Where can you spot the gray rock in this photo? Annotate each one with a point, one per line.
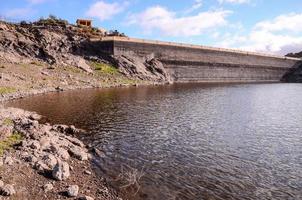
(7, 190)
(8, 160)
(31, 159)
(61, 171)
(75, 141)
(41, 167)
(34, 116)
(62, 153)
(73, 191)
(86, 198)
(47, 187)
(78, 153)
(50, 160)
(34, 144)
(87, 172)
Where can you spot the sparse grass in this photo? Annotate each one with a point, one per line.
(7, 122)
(37, 63)
(104, 68)
(7, 90)
(73, 69)
(9, 142)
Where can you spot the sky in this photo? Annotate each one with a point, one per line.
(270, 26)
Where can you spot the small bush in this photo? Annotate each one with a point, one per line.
(7, 122)
(104, 68)
(130, 178)
(7, 90)
(9, 142)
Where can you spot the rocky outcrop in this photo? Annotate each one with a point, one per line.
(50, 150)
(295, 55)
(67, 45)
(142, 68)
(294, 75)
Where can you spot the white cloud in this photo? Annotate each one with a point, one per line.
(279, 36)
(104, 11)
(18, 13)
(234, 1)
(197, 4)
(37, 1)
(168, 23)
(290, 22)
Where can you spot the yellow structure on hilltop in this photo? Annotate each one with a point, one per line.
(84, 23)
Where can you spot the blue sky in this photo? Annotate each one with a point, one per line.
(273, 26)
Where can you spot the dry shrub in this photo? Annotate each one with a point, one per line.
(130, 178)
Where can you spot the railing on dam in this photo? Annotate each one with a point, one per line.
(135, 40)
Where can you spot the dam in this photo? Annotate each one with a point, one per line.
(194, 63)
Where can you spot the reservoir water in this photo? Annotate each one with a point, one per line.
(189, 141)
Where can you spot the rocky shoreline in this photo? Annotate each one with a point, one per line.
(47, 161)
(43, 161)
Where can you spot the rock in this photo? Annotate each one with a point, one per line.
(50, 160)
(75, 141)
(8, 160)
(78, 153)
(78, 62)
(34, 116)
(45, 73)
(87, 172)
(142, 68)
(44, 142)
(31, 159)
(7, 190)
(73, 191)
(86, 198)
(59, 89)
(47, 187)
(61, 171)
(41, 167)
(62, 153)
(1, 183)
(34, 144)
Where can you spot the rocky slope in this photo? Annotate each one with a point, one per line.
(294, 75)
(295, 55)
(58, 44)
(48, 161)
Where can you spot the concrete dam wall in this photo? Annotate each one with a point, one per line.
(192, 63)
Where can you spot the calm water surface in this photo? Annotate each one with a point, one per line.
(191, 141)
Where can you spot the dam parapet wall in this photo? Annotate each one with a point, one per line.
(194, 63)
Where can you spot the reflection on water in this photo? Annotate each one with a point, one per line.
(192, 141)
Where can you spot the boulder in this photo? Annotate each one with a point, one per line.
(47, 187)
(63, 154)
(50, 160)
(7, 190)
(61, 171)
(73, 191)
(78, 153)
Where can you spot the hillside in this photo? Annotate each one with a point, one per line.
(52, 54)
(295, 55)
(295, 74)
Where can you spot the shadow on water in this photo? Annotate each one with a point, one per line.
(189, 141)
